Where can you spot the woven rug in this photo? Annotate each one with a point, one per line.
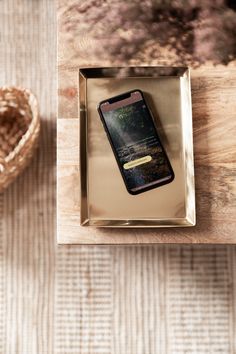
(90, 300)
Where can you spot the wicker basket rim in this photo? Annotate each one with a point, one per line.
(33, 103)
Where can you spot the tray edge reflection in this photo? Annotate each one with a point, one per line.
(100, 72)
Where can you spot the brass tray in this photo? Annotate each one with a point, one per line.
(105, 201)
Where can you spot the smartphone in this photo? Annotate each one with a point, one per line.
(131, 131)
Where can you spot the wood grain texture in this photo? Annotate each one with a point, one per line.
(214, 130)
(215, 171)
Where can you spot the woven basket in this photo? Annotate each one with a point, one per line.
(19, 131)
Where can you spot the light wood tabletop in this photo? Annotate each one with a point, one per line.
(214, 130)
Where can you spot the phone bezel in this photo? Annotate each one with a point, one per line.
(145, 188)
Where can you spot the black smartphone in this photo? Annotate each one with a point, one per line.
(130, 128)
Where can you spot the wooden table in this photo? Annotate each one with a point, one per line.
(214, 130)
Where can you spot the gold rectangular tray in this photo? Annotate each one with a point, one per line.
(104, 200)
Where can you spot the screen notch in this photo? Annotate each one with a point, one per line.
(122, 100)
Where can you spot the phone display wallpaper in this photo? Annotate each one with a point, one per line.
(137, 145)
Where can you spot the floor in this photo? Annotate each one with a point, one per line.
(89, 300)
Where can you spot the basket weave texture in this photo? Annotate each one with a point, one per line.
(19, 131)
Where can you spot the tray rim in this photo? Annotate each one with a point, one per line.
(85, 73)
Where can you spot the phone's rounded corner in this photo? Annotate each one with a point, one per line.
(138, 90)
(131, 192)
(172, 177)
(99, 106)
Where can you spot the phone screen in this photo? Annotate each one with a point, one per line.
(135, 142)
